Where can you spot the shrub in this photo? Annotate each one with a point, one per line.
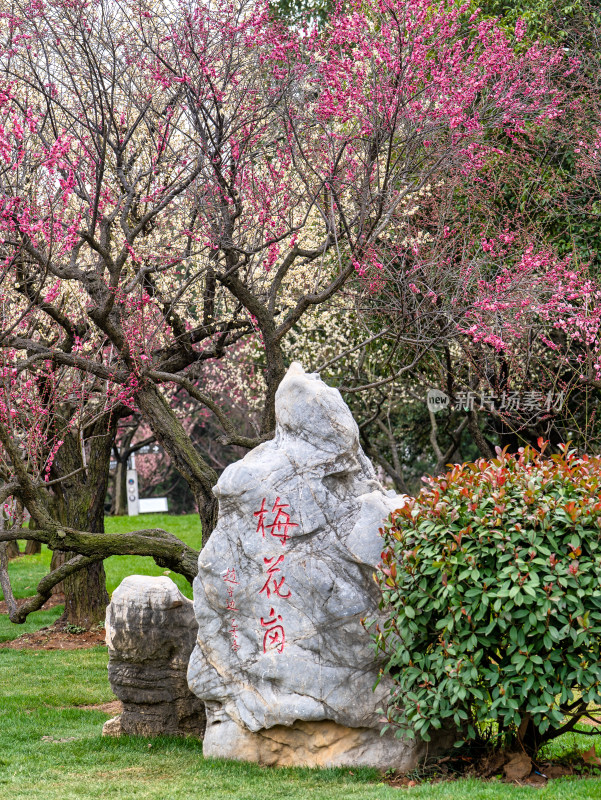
(491, 599)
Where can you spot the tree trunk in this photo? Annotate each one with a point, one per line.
(85, 592)
(481, 442)
(120, 488)
(86, 597)
(12, 550)
(273, 374)
(80, 505)
(32, 548)
(121, 453)
(58, 559)
(189, 463)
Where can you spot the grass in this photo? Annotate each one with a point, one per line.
(51, 749)
(187, 528)
(26, 572)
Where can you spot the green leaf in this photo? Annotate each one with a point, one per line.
(454, 646)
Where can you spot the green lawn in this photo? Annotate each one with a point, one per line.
(51, 749)
(27, 571)
(187, 528)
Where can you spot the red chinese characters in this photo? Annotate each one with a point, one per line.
(230, 580)
(281, 523)
(274, 636)
(274, 583)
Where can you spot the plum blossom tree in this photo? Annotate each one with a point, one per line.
(178, 180)
(501, 275)
(508, 320)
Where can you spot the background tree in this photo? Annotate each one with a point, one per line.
(537, 196)
(177, 181)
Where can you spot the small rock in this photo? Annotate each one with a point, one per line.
(150, 633)
(557, 770)
(492, 764)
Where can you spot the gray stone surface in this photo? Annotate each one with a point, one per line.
(298, 532)
(150, 633)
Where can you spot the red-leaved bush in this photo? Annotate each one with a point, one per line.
(490, 582)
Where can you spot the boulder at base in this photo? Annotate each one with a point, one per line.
(150, 633)
(282, 662)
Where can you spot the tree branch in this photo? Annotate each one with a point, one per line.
(232, 436)
(165, 548)
(45, 586)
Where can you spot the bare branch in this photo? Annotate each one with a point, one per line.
(165, 548)
(45, 586)
(232, 436)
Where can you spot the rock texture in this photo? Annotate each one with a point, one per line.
(282, 662)
(316, 744)
(150, 633)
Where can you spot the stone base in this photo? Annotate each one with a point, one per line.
(311, 744)
(136, 725)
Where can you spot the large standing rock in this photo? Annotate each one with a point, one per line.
(282, 662)
(150, 633)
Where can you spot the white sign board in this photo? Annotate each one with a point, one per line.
(149, 505)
